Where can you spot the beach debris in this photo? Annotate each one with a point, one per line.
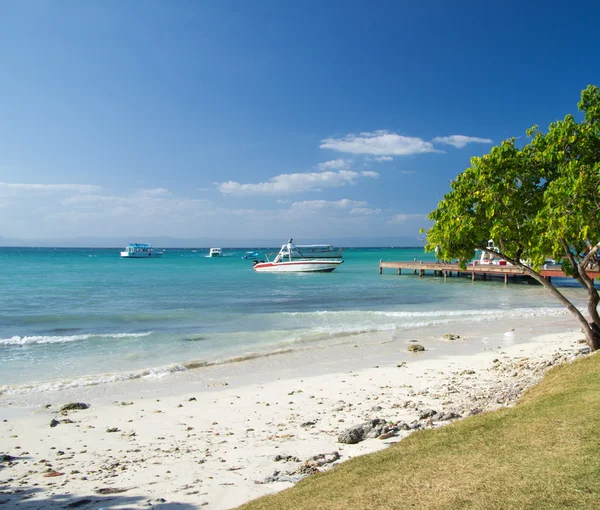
(285, 458)
(451, 336)
(401, 364)
(308, 424)
(387, 435)
(112, 490)
(54, 422)
(369, 429)
(51, 473)
(113, 429)
(416, 348)
(74, 406)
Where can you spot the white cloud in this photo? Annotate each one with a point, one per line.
(344, 203)
(334, 164)
(378, 143)
(64, 188)
(332, 207)
(383, 158)
(401, 218)
(459, 141)
(364, 211)
(295, 183)
(154, 192)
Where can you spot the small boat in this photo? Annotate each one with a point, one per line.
(488, 258)
(214, 252)
(289, 259)
(140, 251)
(250, 255)
(315, 251)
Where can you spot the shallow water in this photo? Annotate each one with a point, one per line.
(71, 317)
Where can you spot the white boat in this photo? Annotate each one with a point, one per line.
(488, 258)
(140, 251)
(315, 251)
(214, 252)
(290, 260)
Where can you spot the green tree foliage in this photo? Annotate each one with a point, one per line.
(538, 201)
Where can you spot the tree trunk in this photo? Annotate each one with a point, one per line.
(590, 330)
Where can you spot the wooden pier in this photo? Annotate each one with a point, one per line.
(483, 270)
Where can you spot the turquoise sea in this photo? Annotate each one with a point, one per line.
(74, 317)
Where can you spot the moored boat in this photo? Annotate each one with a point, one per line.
(214, 252)
(140, 251)
(289, 259)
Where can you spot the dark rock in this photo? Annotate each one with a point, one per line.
(416, 348)
(113, 490)
(54, 422)
(6, 458)
(285, 458)
(74, 406)
(448, 416)
(450, 336)
(426, 413)
(306, 469)
(113, 429)
(308, 424)
(369, 429)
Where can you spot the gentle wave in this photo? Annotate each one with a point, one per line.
(155, 372)
(43, 339)
(93, 380)
(499, 312)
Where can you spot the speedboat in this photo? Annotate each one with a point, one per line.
(315, 251)
(140, 251)
(250, 255)
(214, 252)
(289, 259)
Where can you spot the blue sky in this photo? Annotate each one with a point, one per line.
(270, 119)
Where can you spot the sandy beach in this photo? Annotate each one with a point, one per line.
(219, 436)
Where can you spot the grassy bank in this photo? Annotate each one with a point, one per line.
(543, 453)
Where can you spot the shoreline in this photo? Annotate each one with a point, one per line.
(216, 437)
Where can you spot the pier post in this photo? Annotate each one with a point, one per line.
(380, 266)
(399, 271)
(505, 278)
(472, 276)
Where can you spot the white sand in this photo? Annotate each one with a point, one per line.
(217, 450)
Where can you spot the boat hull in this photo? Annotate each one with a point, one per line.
(127, 255)
(304, 266)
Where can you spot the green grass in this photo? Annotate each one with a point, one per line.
(543, 453)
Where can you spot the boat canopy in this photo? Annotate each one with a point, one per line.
(138, 245)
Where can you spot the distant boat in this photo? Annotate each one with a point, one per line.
(250, 255)
(140, 251)
(214, 252)
(290, 259)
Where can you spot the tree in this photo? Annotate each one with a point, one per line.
(538, 201)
